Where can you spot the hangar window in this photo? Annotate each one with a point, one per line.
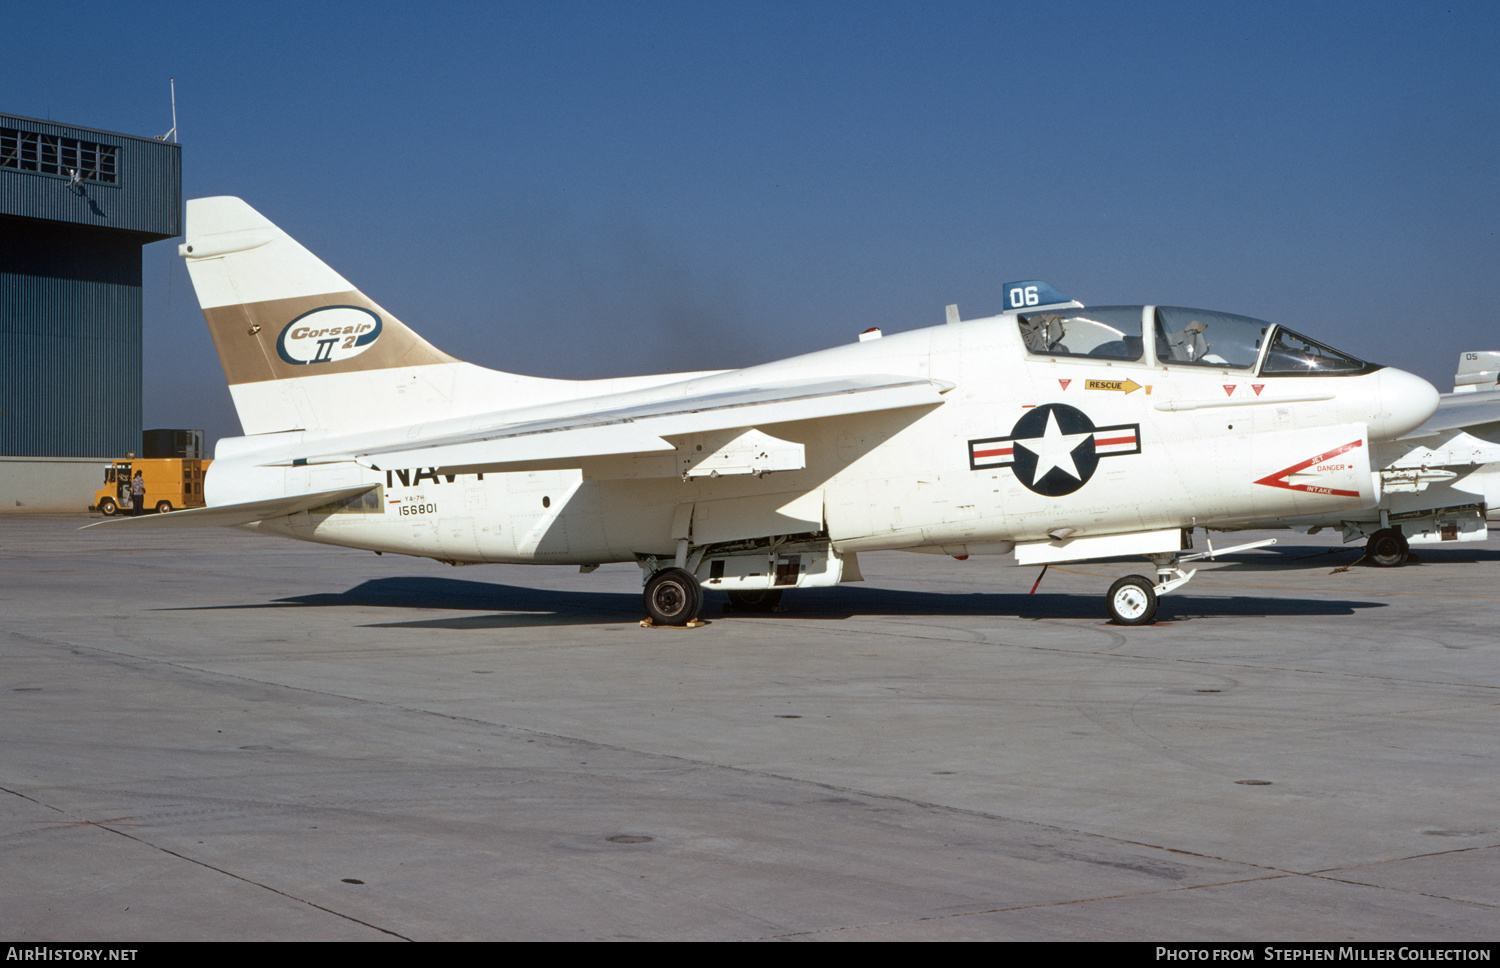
(51, 154)
(1104, 332)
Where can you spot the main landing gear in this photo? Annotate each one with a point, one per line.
(753, 572)
(1133, 599)
(756, 600)
(673, 597)
(1387, 548)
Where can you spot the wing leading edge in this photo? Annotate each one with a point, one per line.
(600, 428)
(1476, 412)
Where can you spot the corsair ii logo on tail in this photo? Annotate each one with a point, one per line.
(328, 334)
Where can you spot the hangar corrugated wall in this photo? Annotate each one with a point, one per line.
(76, 206)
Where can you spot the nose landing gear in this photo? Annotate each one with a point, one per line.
(1133, 599)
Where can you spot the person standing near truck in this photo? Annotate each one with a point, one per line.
(137, 494)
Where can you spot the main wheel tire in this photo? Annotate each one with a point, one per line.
(758, 600)
(108, 507)
(163, 507)
(1132, 601)
(1387, 548)
(673, 597)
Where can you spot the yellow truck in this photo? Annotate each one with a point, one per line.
(171, 483)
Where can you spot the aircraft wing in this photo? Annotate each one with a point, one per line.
(231, 514)
(626, 428)
(1477, 413)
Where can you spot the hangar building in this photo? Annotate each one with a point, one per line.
(76, 206)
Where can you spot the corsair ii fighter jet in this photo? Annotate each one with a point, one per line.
(1052, 431)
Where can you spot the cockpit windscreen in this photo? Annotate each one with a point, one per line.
(1292, 354)
(1199, 337)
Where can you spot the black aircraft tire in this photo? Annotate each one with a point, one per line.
(1132, 601)
(1387, 548)
(673, 597)
(759, 600)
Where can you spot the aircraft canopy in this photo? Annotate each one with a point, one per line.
(1182, 337)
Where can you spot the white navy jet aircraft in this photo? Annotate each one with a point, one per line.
(1053, 431)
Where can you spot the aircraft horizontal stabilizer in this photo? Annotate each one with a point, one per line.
(1477, 412)
(228, 515)
(591, 430)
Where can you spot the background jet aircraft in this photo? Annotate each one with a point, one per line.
(1054, 431)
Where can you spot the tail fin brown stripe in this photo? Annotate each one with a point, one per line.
(311, 336)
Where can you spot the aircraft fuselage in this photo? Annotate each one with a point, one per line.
(1023, 445)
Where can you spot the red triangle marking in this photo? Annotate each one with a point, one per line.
(1257, 387)
(1279, 479)
(1064, 383)
(1228, 389)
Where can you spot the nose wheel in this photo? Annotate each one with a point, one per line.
(1132, 601)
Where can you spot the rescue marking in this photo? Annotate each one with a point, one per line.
(1064, 383)
(1228, 389)
(1054, 449)
(1125, 386)
(1281, 477)
(1257, 387)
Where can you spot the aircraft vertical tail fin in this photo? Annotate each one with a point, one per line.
(279, 315)
(1477, 370)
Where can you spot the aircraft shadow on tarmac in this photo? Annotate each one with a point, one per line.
(512, 606)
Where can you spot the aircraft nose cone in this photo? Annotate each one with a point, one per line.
(1404, 401)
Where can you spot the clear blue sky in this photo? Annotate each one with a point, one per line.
(590, 189)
